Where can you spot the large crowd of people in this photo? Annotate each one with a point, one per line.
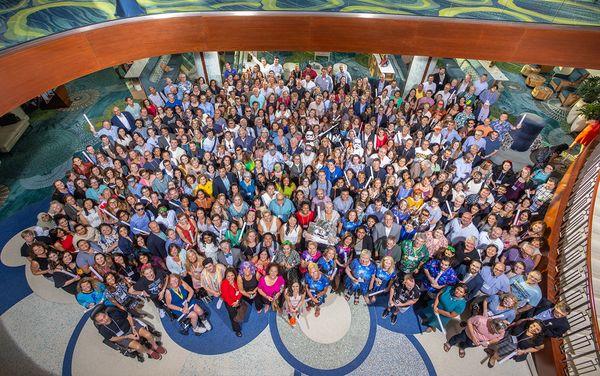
(221, 191)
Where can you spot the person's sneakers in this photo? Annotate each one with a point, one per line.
(162, 313)
(199, 329)
(386, 313)
(394, 318)
(219, 303)
(206, 324)
(238, 333)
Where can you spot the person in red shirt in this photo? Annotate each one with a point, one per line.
(309, 71)
(305, 215)
(230, 293)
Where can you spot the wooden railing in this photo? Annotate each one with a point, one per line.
(34, 67)
(569, 275)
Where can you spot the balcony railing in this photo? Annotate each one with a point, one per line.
(569, 276)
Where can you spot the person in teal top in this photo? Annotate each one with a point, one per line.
(448, 304)
(90, 293)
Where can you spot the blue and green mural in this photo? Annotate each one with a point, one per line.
(25, 20)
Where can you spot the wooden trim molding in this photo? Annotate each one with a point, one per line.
(550, 359)
(32, 68)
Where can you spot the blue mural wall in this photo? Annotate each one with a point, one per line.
(25, 20)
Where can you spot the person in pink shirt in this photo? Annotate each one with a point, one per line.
(480, 331)
(270, 287)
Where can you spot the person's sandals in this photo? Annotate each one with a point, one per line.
(429, 329)
(394, 318)
(356, 301)
(161, 350)
(461, 353)
(154, 355)
(347, 297)
(491, 363)
(447, 347)
(317, 312)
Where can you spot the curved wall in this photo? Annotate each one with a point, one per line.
(32, 68)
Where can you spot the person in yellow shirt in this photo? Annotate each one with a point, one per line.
(204, 184)
(415, 201)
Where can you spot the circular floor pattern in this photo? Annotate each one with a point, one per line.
(333, 323)
(407, 323)
(221, 339)
(11, 252)
(341, 357)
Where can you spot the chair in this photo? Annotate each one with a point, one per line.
(561, 81)
(530, 69)
(541, 93)
(568, 97)
(534, 80)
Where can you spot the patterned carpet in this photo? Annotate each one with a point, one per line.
(25, 20)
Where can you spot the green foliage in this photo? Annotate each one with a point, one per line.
(591, 110)
(589, 89)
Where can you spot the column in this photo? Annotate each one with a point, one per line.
(420, 67)
(208, 65)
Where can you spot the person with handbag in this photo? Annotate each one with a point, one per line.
(236, 307)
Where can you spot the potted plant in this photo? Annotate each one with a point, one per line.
(589, 92)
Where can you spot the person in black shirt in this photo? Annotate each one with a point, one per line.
(119, 327)
(152, 284)
(30, 237)
(403, 294)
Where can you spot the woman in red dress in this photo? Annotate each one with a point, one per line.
(186, 230)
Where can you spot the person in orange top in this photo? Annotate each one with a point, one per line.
(232, 296)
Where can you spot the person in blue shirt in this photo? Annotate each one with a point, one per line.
(359, 277)
(140, 220)
(172, 101)
(332, 172)
(229, 71)
(281, 207)
(350, 222)
(206, 107)
(384, 275)
(90, 293)
(327, 263)
(317, 285)
(439, 274)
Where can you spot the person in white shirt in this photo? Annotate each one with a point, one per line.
(264, 66)
(429, 85)
(481, 84)
(175, 150)
(308, 83)
(491, 238)
(276, 67)
(458, 229)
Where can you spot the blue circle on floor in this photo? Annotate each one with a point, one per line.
(302, 368)
(221, 339)
(408, 322)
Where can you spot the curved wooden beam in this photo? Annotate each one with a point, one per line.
(32, 68)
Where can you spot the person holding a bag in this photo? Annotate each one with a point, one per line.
(236, 307)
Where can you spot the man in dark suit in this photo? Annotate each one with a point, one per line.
(230, 257)
(156, 240)
(222, 182)
(361, 106)
(470, 276)
(122, 120)
(440, 79)
(387, 228)
(388, 246)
